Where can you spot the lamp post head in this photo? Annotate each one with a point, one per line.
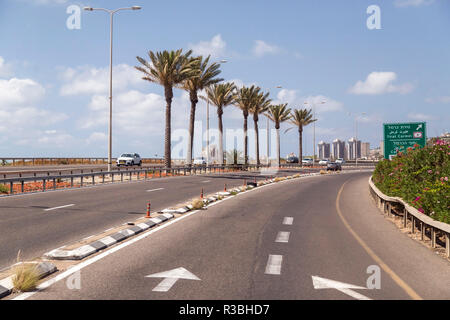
(88, 8)
(136, 8)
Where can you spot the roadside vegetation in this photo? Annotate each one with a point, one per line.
(420, 177)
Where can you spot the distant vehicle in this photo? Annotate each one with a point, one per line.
(292, 160)
(340, 161)
(307, 161)
(334, 166)
(129, 159)
(200, 161)
(324, 161)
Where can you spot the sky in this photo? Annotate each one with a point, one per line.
(371, 67)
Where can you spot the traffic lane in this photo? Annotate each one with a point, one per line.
(319, 245)
(424, 271)
(219, 245)
(26, 226)
(227, 247)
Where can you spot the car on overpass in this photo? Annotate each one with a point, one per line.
(324, 162)
(307, 161)
(340, 161)
(200, 161)
(292, 159)
(129, 159)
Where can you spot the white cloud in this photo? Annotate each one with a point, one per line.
(380, 83)
(262, 48)
(298, 102)
(19, 92)
(215, 47)
(23, 121)
(5, 69)
(85, 80)
(412, 3)
(420, 116)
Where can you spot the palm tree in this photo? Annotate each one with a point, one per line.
(261, 105)
(278, 114)
(167, 68)
(221, 95)
(245, 99)
(301, 118)
(205, 76)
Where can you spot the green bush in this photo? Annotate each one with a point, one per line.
(3, 189)
(420, 177)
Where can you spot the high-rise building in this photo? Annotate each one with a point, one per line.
(354, 149)
(323, 150)
(365, 149)
(338, 149)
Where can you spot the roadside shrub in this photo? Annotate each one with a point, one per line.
(197, 204)
(420, 177)
(3, 189)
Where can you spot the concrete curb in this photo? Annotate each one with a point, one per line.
(43, 269)
(93, 247)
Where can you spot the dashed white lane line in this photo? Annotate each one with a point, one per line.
(155, 189)
(274, 264)
(206, 181)
(288, 221)
(283, 237)
(60, 207)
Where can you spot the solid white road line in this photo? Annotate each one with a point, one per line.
(288, 220)
(155, 189)
(206, 181)
(283, 236)
(274, 264)
(50, 209)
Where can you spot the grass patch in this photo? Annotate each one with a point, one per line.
(233, 193)
(25, 276)
(197, 204)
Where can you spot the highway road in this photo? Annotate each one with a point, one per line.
(37, 223)
(310, 238)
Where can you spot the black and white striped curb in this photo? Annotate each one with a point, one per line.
(93, 247)
(43, 269)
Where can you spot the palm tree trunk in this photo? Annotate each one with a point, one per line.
(167, 150)
(194, 100)
(300, 145)
(219, 116)
(278, 147)
(257, 142)
(245, 141)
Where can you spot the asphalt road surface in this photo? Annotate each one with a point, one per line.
(37, 223)
(268, 243)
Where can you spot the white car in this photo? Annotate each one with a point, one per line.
(307, 161)
(324, 162)
(340, 160)
(129, 159)
(200, 161)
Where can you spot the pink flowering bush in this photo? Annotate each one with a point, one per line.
(420, 177)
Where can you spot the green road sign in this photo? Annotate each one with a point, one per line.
(400, 136)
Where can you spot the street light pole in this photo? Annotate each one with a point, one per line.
(314, 128)
(111, 16)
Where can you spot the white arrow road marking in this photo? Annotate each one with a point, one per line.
(322, 283)
(50, 209)
(155, 189)
(170, 277)
(288, 220)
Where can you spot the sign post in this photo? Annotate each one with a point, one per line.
(398, 137)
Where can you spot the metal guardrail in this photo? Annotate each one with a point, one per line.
(28, 161)
(90, 178)
(415, 217)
